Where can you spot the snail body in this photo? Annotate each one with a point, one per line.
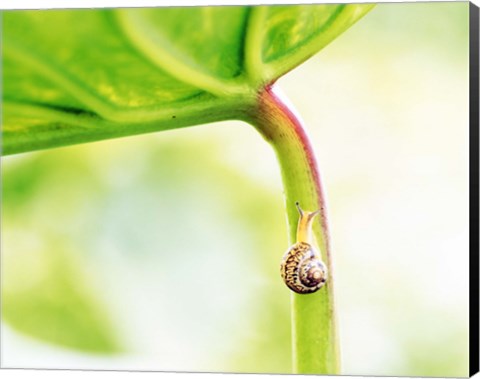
(302, 268)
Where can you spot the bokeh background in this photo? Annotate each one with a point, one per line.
(162, 251)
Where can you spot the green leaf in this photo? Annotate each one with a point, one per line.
(46, 295)
(282, 37)
(72, 76)
(202, 46)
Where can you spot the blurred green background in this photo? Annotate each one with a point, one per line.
(162, 251)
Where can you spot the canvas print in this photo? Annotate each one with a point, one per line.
(244, 189)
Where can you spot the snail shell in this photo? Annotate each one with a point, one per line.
(302, 269)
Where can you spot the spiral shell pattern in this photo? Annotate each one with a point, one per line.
(302, 270)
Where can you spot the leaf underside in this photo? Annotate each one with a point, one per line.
(73, 76)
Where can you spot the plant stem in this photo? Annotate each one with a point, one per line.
(314, 335)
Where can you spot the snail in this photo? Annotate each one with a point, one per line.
(302, 268)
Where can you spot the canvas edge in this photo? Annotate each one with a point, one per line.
(474, 190)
